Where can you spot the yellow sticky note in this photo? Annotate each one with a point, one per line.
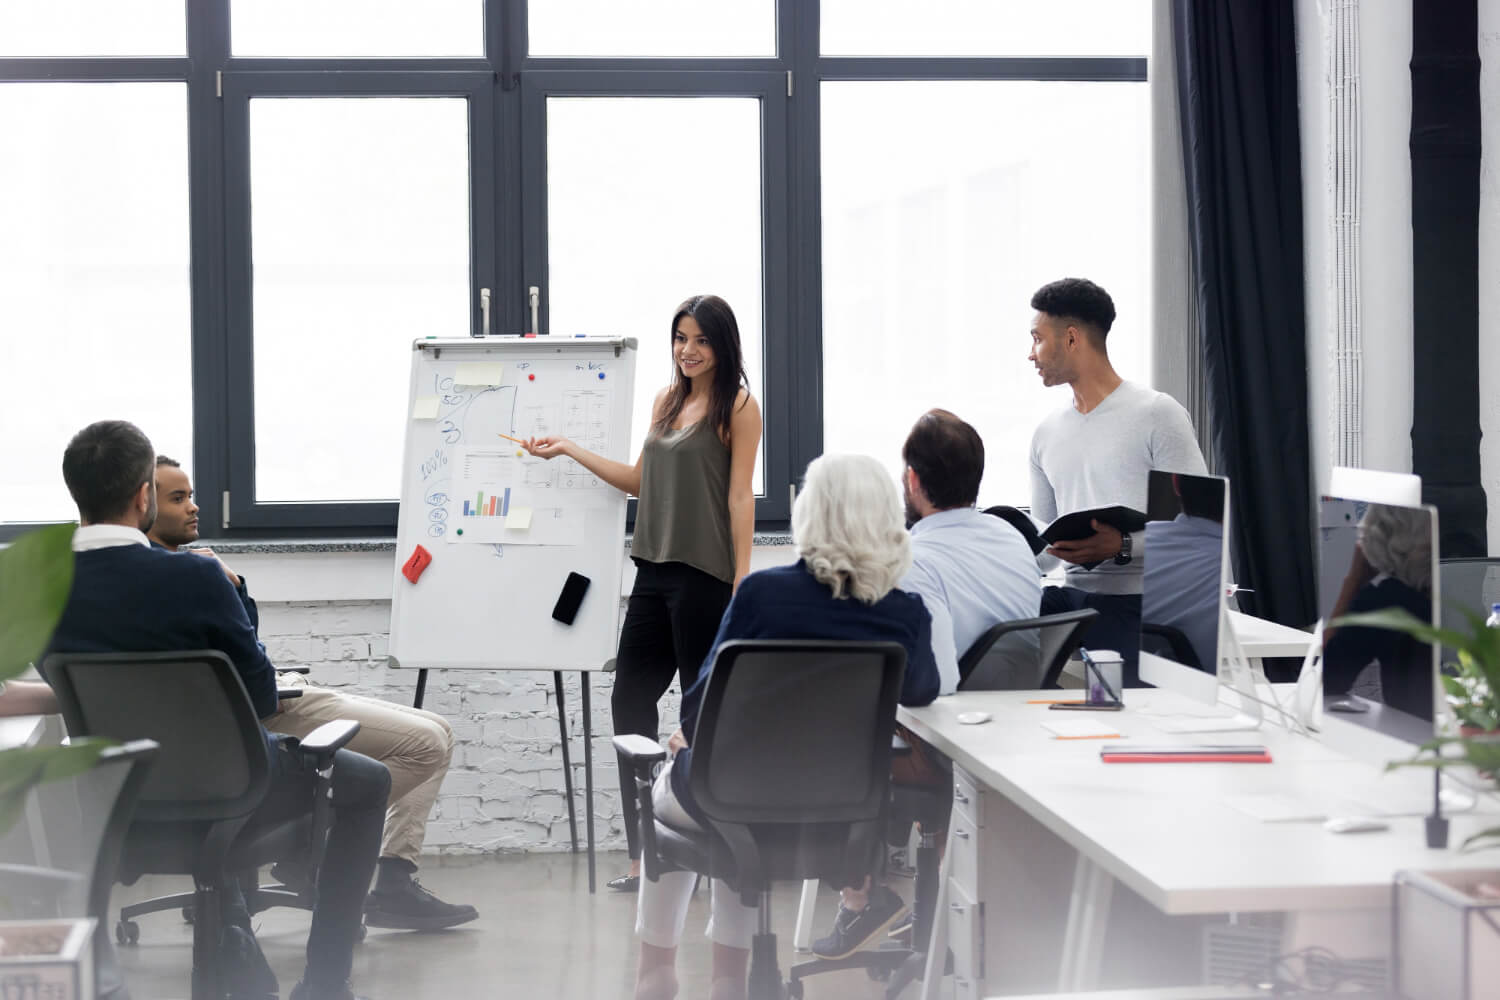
(424, 408)
(519, 519)
(479, 373)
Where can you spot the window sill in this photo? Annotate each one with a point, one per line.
(359, 569)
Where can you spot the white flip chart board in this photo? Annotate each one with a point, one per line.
(504, 530)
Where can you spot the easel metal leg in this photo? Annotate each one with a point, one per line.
(588, 771)
(806, 908)
(562, 729)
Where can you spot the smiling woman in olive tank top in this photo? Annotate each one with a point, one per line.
(692, 525)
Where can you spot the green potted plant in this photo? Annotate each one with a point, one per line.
(1471, 688)
(36, 573)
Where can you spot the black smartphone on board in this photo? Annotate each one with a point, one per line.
(571, 597)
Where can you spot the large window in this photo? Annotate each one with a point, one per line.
(226, 220)
(357, 29)
(932, 250)
(655, 29)
(986, 28)
(359, 235)
(94, 299)
(48, 29)
(685, 219)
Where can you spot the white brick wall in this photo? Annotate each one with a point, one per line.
(505, 786)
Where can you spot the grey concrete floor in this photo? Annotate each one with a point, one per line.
(539, 934)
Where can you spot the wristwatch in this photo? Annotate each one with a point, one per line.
(1122, 558)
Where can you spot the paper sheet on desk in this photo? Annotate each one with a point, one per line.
(1080, 729)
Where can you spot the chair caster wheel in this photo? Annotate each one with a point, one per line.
(127, 932)
(188, 915)
(878, 975)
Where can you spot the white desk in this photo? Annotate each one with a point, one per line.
(1262, 639)
(1164, 830)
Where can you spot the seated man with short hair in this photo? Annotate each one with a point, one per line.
(128, 597)
(415, 745)
(972, 572)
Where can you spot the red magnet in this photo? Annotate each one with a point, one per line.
(531, 377)
(420, 560)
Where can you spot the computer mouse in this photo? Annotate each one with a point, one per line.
(973, 718)
(1351, 705)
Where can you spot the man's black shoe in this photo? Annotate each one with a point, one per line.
(246, 973)
(854, 929)
(404, 905)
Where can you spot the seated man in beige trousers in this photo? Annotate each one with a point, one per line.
(415, 745)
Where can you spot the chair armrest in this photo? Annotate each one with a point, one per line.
(286, 694)
(328, 737)
(638, 757)
(639, 752)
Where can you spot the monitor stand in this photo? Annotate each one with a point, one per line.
(1242, 686)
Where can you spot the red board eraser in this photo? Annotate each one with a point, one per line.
(420, 560)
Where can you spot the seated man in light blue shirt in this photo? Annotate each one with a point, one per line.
(1184, 573)
(971, 571)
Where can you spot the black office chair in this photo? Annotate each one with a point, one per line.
(791, 765)
(196, 810)
(1169, 641)
(258, 898)
(1023, 655)
(1461, 588)
(66, 867)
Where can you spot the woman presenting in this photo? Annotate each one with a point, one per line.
(694, 520)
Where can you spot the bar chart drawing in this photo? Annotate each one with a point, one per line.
(488, 505)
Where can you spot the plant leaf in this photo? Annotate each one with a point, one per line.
(36, 573)
(1475, 842)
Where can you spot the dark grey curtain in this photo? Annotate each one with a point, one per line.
(1445, 151)
(1237, 95)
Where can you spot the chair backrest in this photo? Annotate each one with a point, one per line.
(797, 731)
(1467, 584)
(1023, 655)
(1171, 641)
(213, 761)
(60, 860)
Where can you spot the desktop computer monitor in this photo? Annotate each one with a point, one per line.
(1185, 582)
(1375, 555)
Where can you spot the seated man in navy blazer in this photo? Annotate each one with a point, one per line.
(130, 597)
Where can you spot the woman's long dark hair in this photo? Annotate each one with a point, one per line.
(716, 320)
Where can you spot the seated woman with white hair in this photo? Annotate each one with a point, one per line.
(848, 528)
(1392, 568)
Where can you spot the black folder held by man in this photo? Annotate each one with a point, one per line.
(1071, 527)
